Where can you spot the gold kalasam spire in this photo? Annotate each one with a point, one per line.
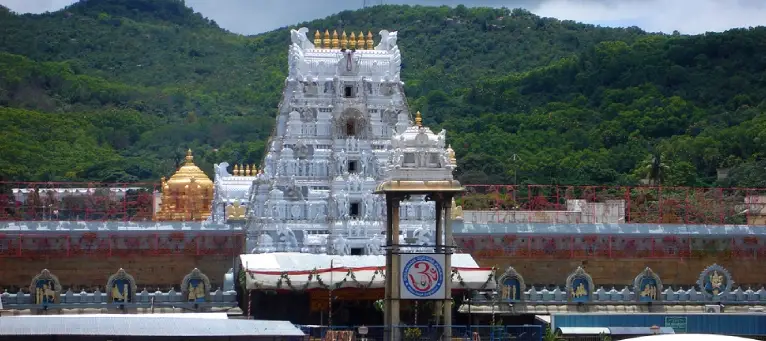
(369, 41)
(326, 41)
(418, 119)
(451, 154)
(189, 157)
(249, 170)
(255, 170)
(352, 41)
(317, 40)
(360, 41)
(335, 41)
(343, 40)
(236, 170)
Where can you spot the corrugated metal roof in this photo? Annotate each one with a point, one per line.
(639, 330)
(704, 323)
(629, 230)
(141, 325)
(295, 261)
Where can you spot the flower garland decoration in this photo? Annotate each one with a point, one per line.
(314, 276)
(456, 274)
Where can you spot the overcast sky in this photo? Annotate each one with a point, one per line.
(686, 16)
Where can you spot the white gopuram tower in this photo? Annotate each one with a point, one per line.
(343, 101)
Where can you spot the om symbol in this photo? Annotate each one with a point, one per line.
(423, 276)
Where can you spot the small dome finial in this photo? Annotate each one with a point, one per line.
(335, 41)
(451, 154)
(189, 156)
(418, 119)
(317, 40)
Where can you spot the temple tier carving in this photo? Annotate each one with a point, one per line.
(343, 103)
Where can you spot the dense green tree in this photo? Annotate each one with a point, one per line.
(116, 90)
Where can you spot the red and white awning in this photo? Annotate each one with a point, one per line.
(303, 271)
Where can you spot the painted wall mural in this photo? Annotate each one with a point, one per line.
(648, 286)
(195, 287)
(121, 287)
(512, 287)
(46, 288)
(580, 286)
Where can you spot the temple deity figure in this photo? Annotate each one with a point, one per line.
(369, 206)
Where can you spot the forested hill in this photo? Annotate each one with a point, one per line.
(116, 90)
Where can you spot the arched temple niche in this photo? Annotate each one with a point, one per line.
(351, 123)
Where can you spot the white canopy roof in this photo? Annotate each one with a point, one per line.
(292, 270)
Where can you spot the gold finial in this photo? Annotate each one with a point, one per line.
(418, 119)
(326, 41)
(352, 41)
(255, 170)
(335, 39)
(317, 39)
(189, 157)
(451, 154)
(343, 40)
(236, 170)
(249, 170)
(369, 41)
(360, 41)
(246, 169)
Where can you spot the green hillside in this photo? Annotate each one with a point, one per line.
(116, 90)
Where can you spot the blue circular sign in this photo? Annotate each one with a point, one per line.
(422, 276)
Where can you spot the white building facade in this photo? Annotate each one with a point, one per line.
(341, 108)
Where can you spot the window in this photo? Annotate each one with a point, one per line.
(350, 128)
(356, 251)
(409, 158)
(354, 209)
(352, 166)
(348, 91)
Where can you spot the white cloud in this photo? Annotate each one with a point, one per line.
(686, 16)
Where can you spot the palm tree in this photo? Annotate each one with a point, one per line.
(654, 169)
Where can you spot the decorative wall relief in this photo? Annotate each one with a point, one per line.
(715, 281)
(45, 288)
(195, 287)
(647, 286)
(580, 286)
(512, 285)
(121, 287)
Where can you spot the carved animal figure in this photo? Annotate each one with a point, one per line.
(387, 41)
(299, 38)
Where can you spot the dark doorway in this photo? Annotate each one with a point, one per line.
(350, 128)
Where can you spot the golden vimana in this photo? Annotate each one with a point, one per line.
(354, 41)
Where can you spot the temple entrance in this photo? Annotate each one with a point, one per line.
(351, 127)
(351, 123)
(350, 306)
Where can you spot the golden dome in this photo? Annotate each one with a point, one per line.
(187, 195)
(186, 173)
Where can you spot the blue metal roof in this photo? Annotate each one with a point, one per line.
(630, 230)
(142, 325)
(729, 324)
